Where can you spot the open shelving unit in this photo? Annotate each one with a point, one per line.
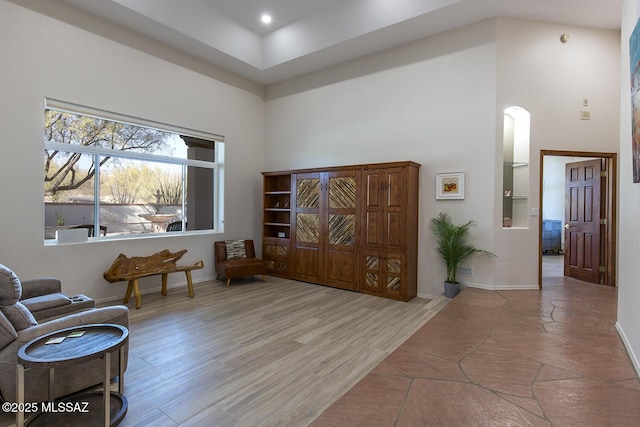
(277, 223)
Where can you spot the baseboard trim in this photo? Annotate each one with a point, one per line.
(627, 345)
(501, 287)
(428, 296)
(115, 298)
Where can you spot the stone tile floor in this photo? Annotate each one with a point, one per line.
(549, 357)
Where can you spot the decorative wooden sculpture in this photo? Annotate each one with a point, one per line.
(133, 268)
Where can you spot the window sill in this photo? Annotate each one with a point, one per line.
(129, 237)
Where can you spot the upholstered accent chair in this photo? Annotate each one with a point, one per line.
(237, 258)
(19, 325)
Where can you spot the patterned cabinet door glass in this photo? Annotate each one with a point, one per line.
(277, 258)
(393, 274)
(307, 228)
(277, 266)
(342, 205)
(308, 193)
(342, 229)
(342, 192)
(308, 202)
(275, 251)
(394, 270)
(372, 264)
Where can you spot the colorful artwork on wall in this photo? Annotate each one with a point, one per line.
(450, 185)
(634, 50)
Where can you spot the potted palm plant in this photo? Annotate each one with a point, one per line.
(453, 247)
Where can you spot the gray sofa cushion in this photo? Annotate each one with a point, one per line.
(45, 302)
(40, 286)
(19, 316)
(7, 332)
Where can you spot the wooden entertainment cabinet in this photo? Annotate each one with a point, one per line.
(350, 227)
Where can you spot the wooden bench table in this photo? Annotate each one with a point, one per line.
(134, 268)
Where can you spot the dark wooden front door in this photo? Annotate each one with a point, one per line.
(582, 220)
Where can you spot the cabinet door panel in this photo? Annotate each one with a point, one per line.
(341, 269)
(372, 235)
(394, 266)
(395, 230)
(396, 188)
(373, 208)
(372, 273)
(383, 273)
(307, 265)
(373, 182)
(307, 227)
(340, 261)
(277, 257)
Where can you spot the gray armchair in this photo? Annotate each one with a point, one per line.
(19, 326)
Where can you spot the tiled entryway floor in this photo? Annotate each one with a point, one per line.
(549, 357)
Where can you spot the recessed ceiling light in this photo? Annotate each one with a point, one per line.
(266, 19)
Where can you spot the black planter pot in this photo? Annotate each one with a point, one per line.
(451, 289)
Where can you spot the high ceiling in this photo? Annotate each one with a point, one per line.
(307, 35)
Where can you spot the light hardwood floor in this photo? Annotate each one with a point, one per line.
(257, 354)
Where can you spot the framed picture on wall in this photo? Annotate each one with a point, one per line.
(450, 185)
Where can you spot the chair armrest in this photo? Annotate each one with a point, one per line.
(117, 314)
(42, 286)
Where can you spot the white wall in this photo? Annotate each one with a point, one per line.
(432, 101)
(550, 79)
(439, 102)
(43, 57)
(629, 235)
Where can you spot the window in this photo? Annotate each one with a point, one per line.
(121, 176)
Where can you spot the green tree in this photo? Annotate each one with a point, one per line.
(166, 186)
(66, 170)
(132, 182)
(124, 184)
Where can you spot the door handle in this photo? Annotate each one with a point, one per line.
(567, 226)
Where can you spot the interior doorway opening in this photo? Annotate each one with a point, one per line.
(563, 223)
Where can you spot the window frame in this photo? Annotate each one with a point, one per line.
(217, 165)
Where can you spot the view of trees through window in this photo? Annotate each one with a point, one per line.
(148, 180)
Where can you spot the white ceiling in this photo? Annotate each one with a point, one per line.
(284, 12)
(307, 35)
